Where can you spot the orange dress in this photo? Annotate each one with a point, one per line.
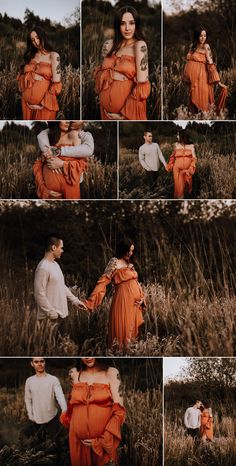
(37, 92)
(125, 315)
(201, 76)
(126, 97)
(206, 428)
(183, 158)
(93, 415)
(67, 183)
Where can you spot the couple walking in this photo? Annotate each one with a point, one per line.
(198, 420)
(94, 413)
(182, 162)
(125, 317)
(65, 151)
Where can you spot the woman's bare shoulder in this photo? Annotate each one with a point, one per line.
(141, 46)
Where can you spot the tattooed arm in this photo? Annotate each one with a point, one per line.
(141, 58)
(208, 54)
(115, 384)
(107, 46)
(56, 67)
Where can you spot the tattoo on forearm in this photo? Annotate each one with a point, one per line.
(144, 63)
(58, 67)
(105, 49)
(120, 389)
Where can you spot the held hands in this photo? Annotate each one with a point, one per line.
(83, 305)
(223, 85)
(54, 163)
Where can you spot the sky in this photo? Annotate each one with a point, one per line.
(182, 5)
(172, 368)
(56, 10)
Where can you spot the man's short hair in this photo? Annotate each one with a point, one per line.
(146, 132)
(52, 241)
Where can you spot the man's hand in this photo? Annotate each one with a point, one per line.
(53, 315)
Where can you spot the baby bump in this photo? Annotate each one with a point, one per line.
(89, 421)
(183, 163)
(129, 291)
(113, 99)
(53, 181)
(35, 94)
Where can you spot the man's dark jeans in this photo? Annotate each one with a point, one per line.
(195, 433)
(42, 431)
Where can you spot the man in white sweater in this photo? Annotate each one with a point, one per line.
(192, 419)
(50, 291)
(150, 156)
(43, 394)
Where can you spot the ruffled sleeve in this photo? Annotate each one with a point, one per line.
(171, 162)
(192, 167)
(65, 417)
(106, 445)
(42, 190)
(73, 170)
(213, 75)
(99, 291)
(135, 104)
(49, 100)
(21, 82)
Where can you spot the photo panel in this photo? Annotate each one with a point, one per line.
(199, 60)
(177, 159)
(99, 411)
(40, 60)
(147, 278)
(58, 160)
(121, 60)
(199, 407)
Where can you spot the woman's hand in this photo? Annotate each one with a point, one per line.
(87, 442)
(35, 107)
(114, 116)
(55, 195)
(83, 305)
(54, 163)
(222, 85)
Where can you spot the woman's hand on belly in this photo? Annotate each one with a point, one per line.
(35, 107)
(114, 116)
(55, 195)
(119, 76)
(87, 442)
(54, 163)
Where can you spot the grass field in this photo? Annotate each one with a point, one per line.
(181, 450)
(214, 178)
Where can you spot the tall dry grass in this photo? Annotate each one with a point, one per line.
(17, 180)
(182, 450)
(215, 175)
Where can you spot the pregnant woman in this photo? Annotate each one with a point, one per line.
(183, 163)
(95, 414)
(59, 177)
(122, 79)
(40, 78)
(125, 317)
(200, 74)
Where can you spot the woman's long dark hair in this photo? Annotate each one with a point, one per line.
(102, 363)
(31, 50)
(196, 35)
(118, 38)
(123, 247)
(54, 132)
(184, 137)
